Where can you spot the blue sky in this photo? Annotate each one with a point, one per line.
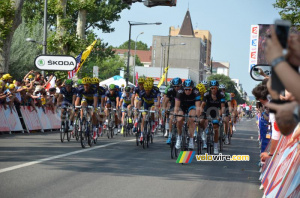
(229, 22)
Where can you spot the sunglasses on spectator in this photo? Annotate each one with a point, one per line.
(189, 89)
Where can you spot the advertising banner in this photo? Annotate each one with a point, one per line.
(31, 118)
(3, 122)
(45, 123)
(253, 46)
(13, 120)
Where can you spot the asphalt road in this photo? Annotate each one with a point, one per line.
(38, 165)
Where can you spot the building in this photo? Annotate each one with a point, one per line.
(181, 50)
(205, 35)
(238, 86)
(221, 68)
(144, 56)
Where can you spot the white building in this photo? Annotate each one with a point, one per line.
(221, 68)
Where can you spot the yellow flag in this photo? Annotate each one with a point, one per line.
(163, 77)
(86, 53)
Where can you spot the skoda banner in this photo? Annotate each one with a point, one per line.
(55, 62)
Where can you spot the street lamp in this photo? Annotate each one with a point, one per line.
(132, 23)
(163, 52)
(135, 57)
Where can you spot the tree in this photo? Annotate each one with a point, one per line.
(10, 19)
(23, 53)
(138, 61)
(139, 45)
(289, 14)
(73, 20)
(222, 79)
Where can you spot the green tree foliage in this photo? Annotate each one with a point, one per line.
(7, 14)
(289, 14)
(100, 15)
(23, 53)
(107, 68)
(230, 88)
(138, 61)
(139, 45)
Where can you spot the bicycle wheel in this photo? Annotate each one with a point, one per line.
(83, 137)
(229, 136)
(76, 129)
(183, 141)
(62, 132)
(90, 134)
(221, 131)
(96, 139)
(68, 132)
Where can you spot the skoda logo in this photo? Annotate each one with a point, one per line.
(41, 62)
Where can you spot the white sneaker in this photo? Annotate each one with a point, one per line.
(191, 145)
(226, 140)
(166, 134)
(216, 151)
(233, 128)
(178, 143)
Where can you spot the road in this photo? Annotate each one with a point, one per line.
(38, 165)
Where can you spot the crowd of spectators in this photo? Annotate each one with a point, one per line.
(280, 111)
(33, 90)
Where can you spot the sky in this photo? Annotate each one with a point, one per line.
(229, 22)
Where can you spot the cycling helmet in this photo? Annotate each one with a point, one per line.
(86, 80)
(148, 86)
(188, 83)
(111, 87)
(214, 83)
(150, 79)
(176, 81)
(6, 76)
(141, 80)
(69, 82)
(222, 86)
(201, 88)
(204, 82)
(79, 81)
(95, 80)
(127, 89)
(117, 87)
(11, 86)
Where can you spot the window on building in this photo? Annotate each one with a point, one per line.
(153, 53)
(154, 43)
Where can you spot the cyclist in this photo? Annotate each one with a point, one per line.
(88, 97)
(148, 98)
(234, 112)
(101, 97)
(212, 104)
(228, 110)
(120, 93)
(66, 98)
(126, 104)
(202, 89)
(135, 98)
(157, 103)
(170, 97)
(204, 82)
(187, 101)
(112, 100)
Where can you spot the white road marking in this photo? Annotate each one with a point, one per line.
(58, 156)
